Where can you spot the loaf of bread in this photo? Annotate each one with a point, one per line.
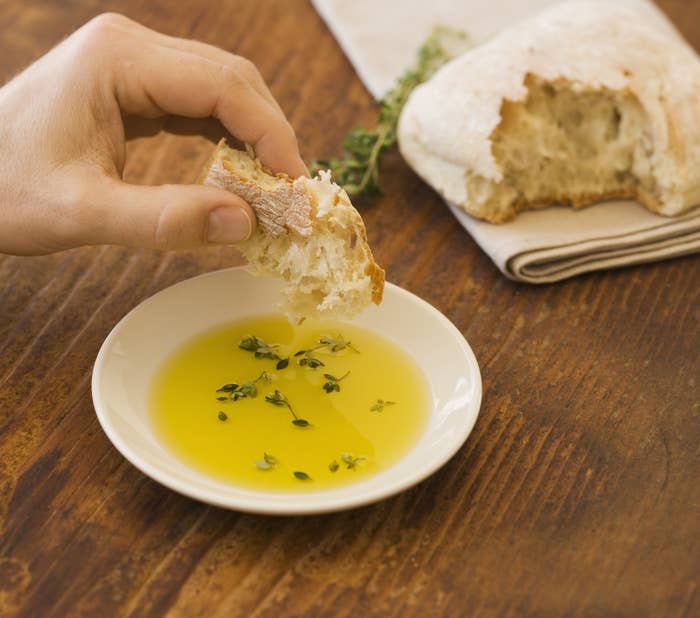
(308, 233)
(585, 102)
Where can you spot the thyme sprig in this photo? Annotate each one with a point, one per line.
(262, 349)
(309, 360)
(234, 391)
(279, 399)
(327, 344)
(350, 461)
(357, 171)
(379, 405)
(332, 383)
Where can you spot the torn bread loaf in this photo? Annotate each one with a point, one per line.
(587, 101)
(308, 233)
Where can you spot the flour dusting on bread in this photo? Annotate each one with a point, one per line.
(585, 102)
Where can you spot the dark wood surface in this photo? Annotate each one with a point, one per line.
(577, 494)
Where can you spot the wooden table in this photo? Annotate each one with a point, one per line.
(577, 494)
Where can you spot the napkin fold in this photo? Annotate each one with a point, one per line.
(380, 37)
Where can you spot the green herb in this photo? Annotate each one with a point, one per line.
(350, 461)
(333, 466)
(358, 169)
(311, 361)
(332, 382)
(379, 405)
(302, 476)
(328, 344)
(268, 462)
(259, 347)
(247, 389)
(280, 400)
(227, 388)
(282, 364)
(223, 416)
(337, 344)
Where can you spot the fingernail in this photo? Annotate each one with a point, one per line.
(229, 225)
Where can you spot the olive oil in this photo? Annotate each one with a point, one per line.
(267, 405)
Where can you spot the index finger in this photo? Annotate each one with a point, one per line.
(157, 80)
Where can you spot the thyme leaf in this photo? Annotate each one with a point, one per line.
(379, 405)
(279, 399)
(247, 389)
(332, 383)
(327, 344)
(336, 344)
(267, 463)
(259, 348)
(302, 476)
(357, 171)
(350, 461)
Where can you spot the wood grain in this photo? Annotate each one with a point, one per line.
(576, 495)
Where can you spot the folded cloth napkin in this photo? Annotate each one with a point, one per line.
(380, 37)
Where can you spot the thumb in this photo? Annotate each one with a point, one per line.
(165, 216)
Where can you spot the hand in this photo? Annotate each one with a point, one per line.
(63, 142)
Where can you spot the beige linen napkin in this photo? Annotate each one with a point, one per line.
(380, 38)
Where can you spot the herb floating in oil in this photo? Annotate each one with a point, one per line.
(333, 466)
(309, 360)
(358, 169)
(337, 344)
(332, 383)
(280, 400)
(350, 461)
(268, 462)
(327, 344)
(222, 416)
(302, 476)
(379, 405)
(247, 389)
(261, 349)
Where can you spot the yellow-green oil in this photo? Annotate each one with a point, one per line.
(348, 430)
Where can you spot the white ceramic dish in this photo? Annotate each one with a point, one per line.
(145, 337)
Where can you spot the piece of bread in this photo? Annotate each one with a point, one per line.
(308, 233)
(585, 102)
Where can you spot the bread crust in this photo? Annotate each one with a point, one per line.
(288, 207)
(573, 201)
(446, 128)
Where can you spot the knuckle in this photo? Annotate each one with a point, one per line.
(231, 77)
(246, 68)
(101, 31)
(108, 22)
